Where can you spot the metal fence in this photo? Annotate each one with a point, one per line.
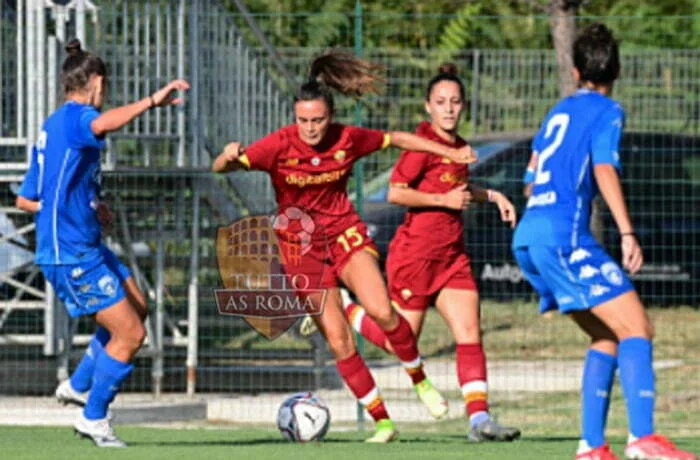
(169, 207)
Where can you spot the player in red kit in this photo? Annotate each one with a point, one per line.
(427, 263)
(309, 163)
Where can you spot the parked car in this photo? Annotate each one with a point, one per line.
(661, 177)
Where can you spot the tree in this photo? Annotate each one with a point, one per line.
(562, 19)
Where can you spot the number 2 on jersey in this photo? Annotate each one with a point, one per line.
(351, 238)
(561, 121)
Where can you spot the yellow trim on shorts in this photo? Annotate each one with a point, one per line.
(371, 251)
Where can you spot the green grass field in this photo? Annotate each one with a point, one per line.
(19, 443)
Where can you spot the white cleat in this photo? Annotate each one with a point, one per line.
(65, 394)
(98, 431)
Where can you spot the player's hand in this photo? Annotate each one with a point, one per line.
(232, 151)
(632, 258)
(463, 155)
(166, 95)
(458, 198)
(104, 215)
(506, 208)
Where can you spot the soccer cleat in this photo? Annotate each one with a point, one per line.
(491, 430)
(99, 431)
(586, 452)
(65, 394)
(655, 447)
(384, 432)
(431, 397)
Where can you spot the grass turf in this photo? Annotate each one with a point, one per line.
(208, 444)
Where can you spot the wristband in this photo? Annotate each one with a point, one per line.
(490, 195)
(628, 234)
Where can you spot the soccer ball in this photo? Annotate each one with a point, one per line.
(303, 417)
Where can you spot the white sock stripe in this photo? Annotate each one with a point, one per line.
(412, 364)
(369, 397)
(357, 320)
(475, 386)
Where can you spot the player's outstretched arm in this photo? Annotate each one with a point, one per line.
(505, 207)
(228, 159)
(27, 205)
(410, 141)
(116, 118)
(458, 198)
(611, 190)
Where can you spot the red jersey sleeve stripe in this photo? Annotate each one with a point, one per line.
(243, 159)
(387, 141)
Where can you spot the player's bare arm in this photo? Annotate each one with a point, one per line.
(610, 188)
(118, 117)
(505, 207)
(530, 175)
(27, 205)
(229, 159)
(410, 141)
(458, 198)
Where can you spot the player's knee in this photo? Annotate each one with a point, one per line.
(133, 339)
(386, 318)
(341, 345)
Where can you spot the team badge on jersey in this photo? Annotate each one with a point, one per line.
(612, 273)
(315, 161)
(339, 155)
(406, 293)
(107, 285)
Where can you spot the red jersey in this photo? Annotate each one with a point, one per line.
(314, 178)
(429, 233)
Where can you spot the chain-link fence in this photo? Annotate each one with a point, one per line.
(169, 208)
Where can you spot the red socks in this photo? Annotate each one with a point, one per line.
(471, 372)
(357, 377)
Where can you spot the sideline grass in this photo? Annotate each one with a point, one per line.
(36, 443)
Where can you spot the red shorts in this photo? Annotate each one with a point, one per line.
(415, 284)
(318, 265)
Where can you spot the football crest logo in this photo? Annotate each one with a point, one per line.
(251, 255)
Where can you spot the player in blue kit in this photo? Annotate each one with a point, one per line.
(62, 188)
(576, 156)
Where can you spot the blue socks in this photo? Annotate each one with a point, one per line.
(81, 379)
(637, 378)
(109, 375)
(598, 375)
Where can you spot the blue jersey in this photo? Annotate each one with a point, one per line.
(64, 176)
(581, 131)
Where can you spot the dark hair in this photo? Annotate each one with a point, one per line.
(342, 71)
(446, 72)
(596, 54)
(79, 66)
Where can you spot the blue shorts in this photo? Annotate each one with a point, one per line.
(89, 287)
(571, 279)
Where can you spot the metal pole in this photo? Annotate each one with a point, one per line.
(157, 372)
(31, 75)
(474, 107)
(80, 20)
(193, 294)
(21, 85)
(181, 140)
(52, 76)
(41, 70)
(358, 172)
